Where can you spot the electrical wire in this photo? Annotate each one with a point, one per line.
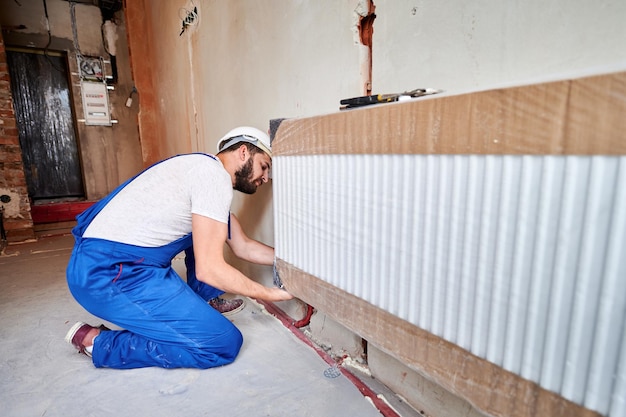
(188, 17)
(74, 28)
(47, 47)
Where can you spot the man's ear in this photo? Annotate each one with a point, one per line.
(242, 152)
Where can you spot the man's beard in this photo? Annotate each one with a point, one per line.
(243, 178)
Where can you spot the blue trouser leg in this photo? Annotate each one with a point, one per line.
(166, 323)
(205, 291)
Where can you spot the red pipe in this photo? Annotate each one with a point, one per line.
(366, 391)
(307, 318)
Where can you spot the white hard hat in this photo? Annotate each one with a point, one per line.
(246, 134)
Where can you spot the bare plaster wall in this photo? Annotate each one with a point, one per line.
(245, 62)
(109, 155)
(172, 77)
(461, 46)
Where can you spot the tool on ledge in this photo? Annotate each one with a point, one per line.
(349, 103)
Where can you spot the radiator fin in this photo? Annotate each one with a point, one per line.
(520, 260)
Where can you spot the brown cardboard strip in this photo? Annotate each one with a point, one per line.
(490, 388)
(585, 116)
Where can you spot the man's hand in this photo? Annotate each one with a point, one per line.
(276, 294)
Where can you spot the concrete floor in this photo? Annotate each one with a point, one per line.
(276, 373)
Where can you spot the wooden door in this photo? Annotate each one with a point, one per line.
(45, 121)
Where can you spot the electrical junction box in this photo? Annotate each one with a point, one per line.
(95, 103)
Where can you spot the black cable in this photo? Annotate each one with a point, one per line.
(45, 11)
(45, 50)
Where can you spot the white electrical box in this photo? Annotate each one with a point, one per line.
(95, 103)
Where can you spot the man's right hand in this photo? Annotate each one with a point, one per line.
(277, 294)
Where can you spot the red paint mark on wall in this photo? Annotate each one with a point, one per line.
(366, 26)
(366, 34)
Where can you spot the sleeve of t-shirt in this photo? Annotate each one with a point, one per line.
(211, 191)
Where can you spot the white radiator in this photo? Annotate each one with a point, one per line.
(521, 260)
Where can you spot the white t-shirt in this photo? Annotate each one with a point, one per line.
(155, 208)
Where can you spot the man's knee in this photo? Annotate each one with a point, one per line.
(233, 344)
(221, 351)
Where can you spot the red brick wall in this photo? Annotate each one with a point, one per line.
(19, 226)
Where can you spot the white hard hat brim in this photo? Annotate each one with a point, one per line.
(246, 134)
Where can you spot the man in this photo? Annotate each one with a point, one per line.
(120, 268)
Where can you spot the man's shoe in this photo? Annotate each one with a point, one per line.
(227, 307)
(77, 333)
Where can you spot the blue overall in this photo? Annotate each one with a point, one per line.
(167, 322)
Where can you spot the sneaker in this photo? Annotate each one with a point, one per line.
(227, 307)
(77, 333)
